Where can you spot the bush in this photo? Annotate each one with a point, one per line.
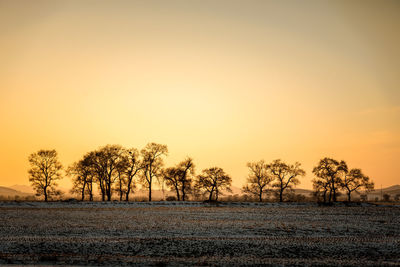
(171, 198)
(386, 197)
(296, 198)
(364, 197)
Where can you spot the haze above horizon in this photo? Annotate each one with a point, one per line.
(225, 82)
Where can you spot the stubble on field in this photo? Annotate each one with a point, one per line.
(198, 234)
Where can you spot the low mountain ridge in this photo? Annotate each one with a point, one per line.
(6, 191)
(23, 188)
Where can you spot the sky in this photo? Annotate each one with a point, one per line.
(225, 82)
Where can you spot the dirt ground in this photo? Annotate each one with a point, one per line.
(182, 234)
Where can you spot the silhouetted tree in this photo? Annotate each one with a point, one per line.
(285, 175)
(171, 177)
(258, 180)
(355, 180)
(329, 173)
(152, 163)
(133, 167)
(82, 177)
(105, 162)
(179, 178)
(121, 181)
(213, 180)
(98, 172)
(187, 172)
(320, 187)
(44, 172)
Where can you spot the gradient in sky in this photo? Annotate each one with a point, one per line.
(225, 82)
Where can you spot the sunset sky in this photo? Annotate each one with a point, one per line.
(225, 82)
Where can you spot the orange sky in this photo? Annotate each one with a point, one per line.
(225, 82)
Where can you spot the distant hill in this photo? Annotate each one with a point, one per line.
(9, 192)
(23, 188)
(391, 190)
(235, 191)
(302, 191)
(24, 191)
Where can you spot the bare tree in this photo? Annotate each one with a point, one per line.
(105, 162)
(355, 180)
(98, 172)
(285, 175)
(187, 172)
(82, 177)
(121, 181)
(44, 172)
(320, 187)
(179, 178)
(152, 163)
(171, 177)
(258, 180)
(213, 180)
(329, 172)
(134, 166)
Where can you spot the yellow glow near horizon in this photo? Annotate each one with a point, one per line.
(225, 82)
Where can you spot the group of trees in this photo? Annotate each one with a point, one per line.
(332, 176)
(276, 177)
(113, 169)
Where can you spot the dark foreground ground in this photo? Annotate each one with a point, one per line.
(170, 234)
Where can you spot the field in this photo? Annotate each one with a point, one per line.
(193, 233)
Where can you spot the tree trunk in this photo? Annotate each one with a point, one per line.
(83, 191)
(103, 191)
(90, 186)
(108, 192)
(260, 196)
(334, 192)
(210, 197)
(150, 191)
(177, 193)
(349, 196)
(108, 187)
(183, 190)
(281, 195)
(128, 190)
(45, 193)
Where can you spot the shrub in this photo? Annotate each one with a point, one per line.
(386, 197)
(364, 197)
(171, 198)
